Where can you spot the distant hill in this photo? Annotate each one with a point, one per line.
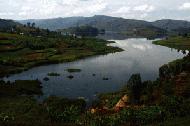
(7, 24)
(55, 23)
(108, 23)
(98, 21)
(170, 25)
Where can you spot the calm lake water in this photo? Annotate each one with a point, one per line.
(140, 56)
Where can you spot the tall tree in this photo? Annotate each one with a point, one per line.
(28, 24)
(135, 87)
(33, 25)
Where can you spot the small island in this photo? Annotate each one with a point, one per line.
(72, 70)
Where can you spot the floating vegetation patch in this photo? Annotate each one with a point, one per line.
(53, 74)
(73, 70)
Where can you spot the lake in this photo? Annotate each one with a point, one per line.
(139, 56)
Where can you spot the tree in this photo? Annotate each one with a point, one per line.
(86, 31)
(38, 31)
(185, 35)
(28, 24)
(47, 31)
(102, 31)
(135, 87)
(33, 25)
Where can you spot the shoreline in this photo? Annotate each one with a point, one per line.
(42, 63)
(33, 51)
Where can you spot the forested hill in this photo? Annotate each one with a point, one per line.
(169, 24)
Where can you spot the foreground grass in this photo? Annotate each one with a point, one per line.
(26, 111)
(20, 87)
(183, 121)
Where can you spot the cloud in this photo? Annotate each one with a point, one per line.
(144, 8)
(123, 10)
(139, 9)
(6, 13)
(185, 6)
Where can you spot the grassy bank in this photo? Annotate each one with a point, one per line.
(20, 52)
(180, 43)
(26, 111)
(20, 87)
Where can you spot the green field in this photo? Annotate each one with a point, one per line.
(20, 52)
(181, 43)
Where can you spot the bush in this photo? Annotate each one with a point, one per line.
(148, 115)
(173, 106)
(61, 109)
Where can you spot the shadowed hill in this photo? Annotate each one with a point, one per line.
(108, 23)
(7, 24)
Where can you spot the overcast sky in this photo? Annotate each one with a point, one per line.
(136, 9)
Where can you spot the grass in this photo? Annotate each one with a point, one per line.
(20, 87)
(180, 121)
(26, 111)
(21, 52)
(180, 43)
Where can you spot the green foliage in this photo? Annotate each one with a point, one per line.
(146, 115)
(175, 67)
(175, 106)
(132, 116)
(20, 87)
(21, 52)
(82, 31)
(60, 109)
(178, 121)
(109, 99)
(135, 87)
(20, 109)
(180, 43)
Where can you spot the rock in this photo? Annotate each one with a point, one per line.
(46, 79)
(93, 111)
(105, 78)
(70, 76)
